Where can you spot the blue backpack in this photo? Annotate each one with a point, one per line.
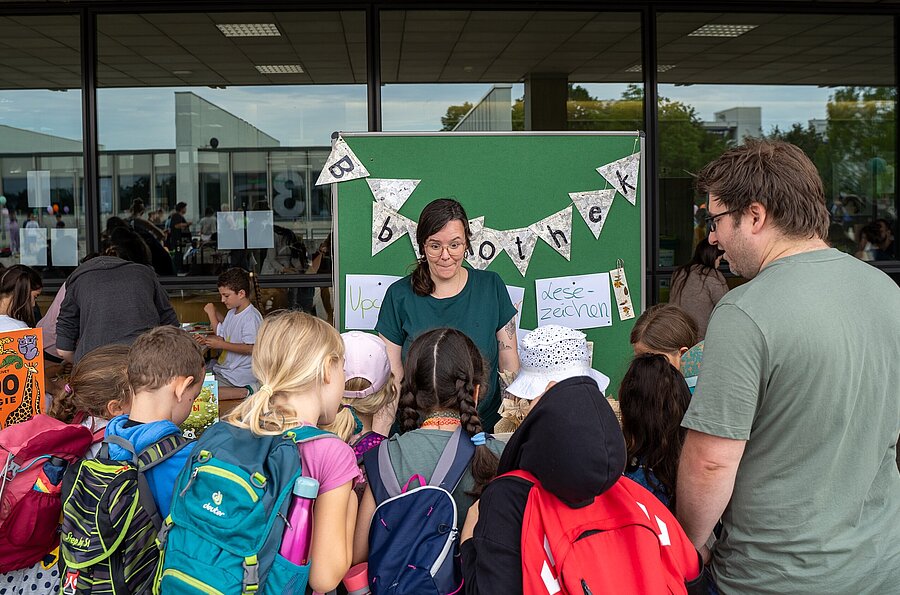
(413, 541)
(228, 515)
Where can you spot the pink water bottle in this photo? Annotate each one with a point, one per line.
(297, 537)
(356, 581)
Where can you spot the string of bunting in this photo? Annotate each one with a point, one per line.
(388, 225)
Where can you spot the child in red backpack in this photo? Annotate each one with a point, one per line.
(96, 392)
(551, 522)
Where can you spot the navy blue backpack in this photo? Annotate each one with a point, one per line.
(413, 541)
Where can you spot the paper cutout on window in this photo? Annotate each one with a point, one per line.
(556, 230)
(594, 207)
(64, 247)
(342, 165)
(38, 188)
(388, 226)
(623, 296)
(486, 246)
(33, 246)
(230, 230)
(392, 192)
(623, 175)
(260, 232)
(519, 245)
(363, 297)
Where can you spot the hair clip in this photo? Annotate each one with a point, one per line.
(68, 389)
(479, 439)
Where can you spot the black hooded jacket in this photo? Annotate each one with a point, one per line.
(571, 441)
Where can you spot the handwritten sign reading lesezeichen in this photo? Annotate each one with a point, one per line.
(363, 299)
(579, 302)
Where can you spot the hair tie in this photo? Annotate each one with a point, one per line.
(479, 439)
(267, 390)
(68, 389)
(359, 424)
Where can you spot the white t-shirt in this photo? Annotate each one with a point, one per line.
(233, 367)
(11, 324)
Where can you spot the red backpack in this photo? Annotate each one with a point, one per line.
(34, 454)
(625, 541)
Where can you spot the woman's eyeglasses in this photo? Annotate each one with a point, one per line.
(435, 249)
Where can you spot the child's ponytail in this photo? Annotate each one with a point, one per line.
(99, 378)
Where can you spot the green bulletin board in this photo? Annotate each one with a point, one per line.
(513, 180)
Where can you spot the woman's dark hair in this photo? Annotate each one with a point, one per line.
(137, 207)
(17, 282)
(434, 217)
(705, 255)
(126, 244)
(442, 372)
(653, 397)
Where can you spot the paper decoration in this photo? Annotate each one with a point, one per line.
(517, 297)
(342, 165)
(33, 246)
(230, 230)
(556, 230)
(476, 225)
(623, 296)
(579, 302)
(519, 245)
(623, 175)
(594, 207)
(392, 192)
(64, 247)
(388, 226)
(362, 299)
(38, 188)
(22, 370)
(411, 227)
(260, 232)
(486, 246)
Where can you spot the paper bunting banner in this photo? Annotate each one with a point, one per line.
(623, 175)
(485, 248)
(519, 244)
(411, 227)
(476, 225)
(391, 192)
(387, 227)
(594, 207)
(556, 230)
(342, 165)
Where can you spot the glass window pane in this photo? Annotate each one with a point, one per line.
(511, 70)
(822, 82)
(205, 125)
(41, 153)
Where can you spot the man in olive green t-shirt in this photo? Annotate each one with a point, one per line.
(793, 427)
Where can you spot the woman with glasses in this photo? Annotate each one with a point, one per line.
(441, 292)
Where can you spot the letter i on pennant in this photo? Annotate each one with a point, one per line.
(620, 288)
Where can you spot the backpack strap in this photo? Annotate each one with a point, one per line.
(160, 451)
(454, 461)
(306, 433)
(380, 473)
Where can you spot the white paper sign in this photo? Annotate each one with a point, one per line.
(579, 302)
(486, 246)
(33, 246)
(623, 175)
(517, 297)
(260, 232)
(556, 231)
(342, 165)
(363, 297)
(230, 230)
(38, 188)
(594, 207)
(64, 247)
(388, 226)
(391, 192)
(519, 245)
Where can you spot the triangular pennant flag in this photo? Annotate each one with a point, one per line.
(387, 227)
(485, 248)
(594, 207)
(411, 227)
(476, 225)
(392, 192)
(342, 165)
(556, 230)
(623, 175)
(519, 244)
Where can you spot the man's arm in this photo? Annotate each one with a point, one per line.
(706, 473)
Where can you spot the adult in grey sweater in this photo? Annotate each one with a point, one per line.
(109, 300)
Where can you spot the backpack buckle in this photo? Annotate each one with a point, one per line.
(251, 576)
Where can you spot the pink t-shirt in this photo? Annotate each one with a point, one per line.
(330, 461)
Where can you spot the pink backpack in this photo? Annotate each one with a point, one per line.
(34, 454)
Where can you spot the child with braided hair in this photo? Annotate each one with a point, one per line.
(442, 379)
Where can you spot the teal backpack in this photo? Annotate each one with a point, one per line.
(228, 516)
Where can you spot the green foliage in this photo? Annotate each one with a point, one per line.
(455, 113)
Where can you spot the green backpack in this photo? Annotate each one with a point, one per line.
(110, 521)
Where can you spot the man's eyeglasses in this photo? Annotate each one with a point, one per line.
(435, 249)
(712, 220)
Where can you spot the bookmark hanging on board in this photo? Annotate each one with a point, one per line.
(620, 288)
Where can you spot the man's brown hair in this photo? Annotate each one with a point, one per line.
(161, 354)
(776, 174)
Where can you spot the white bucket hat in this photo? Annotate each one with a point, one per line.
(550, 354)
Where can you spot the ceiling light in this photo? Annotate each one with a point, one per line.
(717, 30)
(659, 68)
(249, 30)
(280, 69)
(182, 72)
